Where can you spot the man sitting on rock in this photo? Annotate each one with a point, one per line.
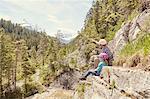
(103, 57)
(102, 48)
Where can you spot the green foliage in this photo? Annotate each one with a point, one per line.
(104, 19)
(62, 53)
(36, 50)
(88, 49)
(113, 29)
(40, 88)
(6, 61)
(142, 45)
(17, 32)
(30, 89)
(73, 61)
(47, 75)
(33, 50)
(81, 88)
(14, 93)
(113, 84)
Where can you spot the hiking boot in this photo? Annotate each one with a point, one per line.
(82, 78)
(101, 77)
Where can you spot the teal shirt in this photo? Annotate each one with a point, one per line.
(100, 66)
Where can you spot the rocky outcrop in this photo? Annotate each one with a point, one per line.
(118, 83)
(77, 58)
(66, 80)
(130, 31)
(55, 93)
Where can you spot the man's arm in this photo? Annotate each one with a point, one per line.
(94, 41)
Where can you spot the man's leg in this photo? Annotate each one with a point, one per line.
(109, 62)
(96, 62)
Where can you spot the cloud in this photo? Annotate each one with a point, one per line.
(54, 19)
(52, 15)
(63, 25)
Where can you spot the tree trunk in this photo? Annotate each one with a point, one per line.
(15, 67)
(25, 83)
(1, 86)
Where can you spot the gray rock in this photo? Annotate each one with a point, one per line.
(130, 31)
(130, 84)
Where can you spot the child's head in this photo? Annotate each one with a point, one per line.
(103, 57)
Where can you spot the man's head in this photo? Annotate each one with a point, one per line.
(102, 42)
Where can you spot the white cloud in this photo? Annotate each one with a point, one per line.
(54, 19)
(63, 25)
(51, 15)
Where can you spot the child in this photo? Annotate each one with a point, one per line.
(103, 49)
(103, 57)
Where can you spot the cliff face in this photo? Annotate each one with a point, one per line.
(130, 31)
(117, 83)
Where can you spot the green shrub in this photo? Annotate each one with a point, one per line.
(142, 45)
(88, 49)
(30, 89)
(13, 94)
(81, 88)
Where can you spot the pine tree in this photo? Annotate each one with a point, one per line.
(33, 57)
(17, 45)
(6, 55)
(1, 63)
(26, 67)
(9, 50)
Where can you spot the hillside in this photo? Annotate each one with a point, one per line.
(27, 60)
(122, 22)
(125, 24)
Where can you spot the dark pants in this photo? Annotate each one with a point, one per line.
(90, 72)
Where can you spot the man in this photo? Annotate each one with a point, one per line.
(102, 48)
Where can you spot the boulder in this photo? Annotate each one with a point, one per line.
(118, 83)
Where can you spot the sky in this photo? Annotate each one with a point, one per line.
(50, 15)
